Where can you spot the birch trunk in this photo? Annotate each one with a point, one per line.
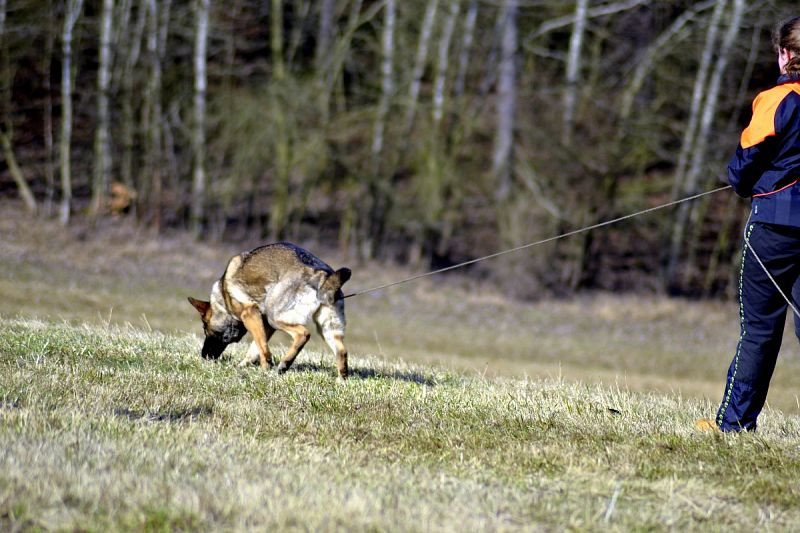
(648, 59)
(199, 135)
(279, 207)
(379, 197)
(466, 47)
(322, 55)
(573, 70)
(698, 96)
(152, 184)
(276, 38)
(506, 103)
(47, 114)
(419, 64)
(703, 106)
(102, 149)
(442, 62)
(73, 9)
(688, 213)
(128, 126)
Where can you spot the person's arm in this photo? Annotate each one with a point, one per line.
(759, 142)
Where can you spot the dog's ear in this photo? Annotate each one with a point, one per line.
(201, 306)
(337, 279)
(344, 274)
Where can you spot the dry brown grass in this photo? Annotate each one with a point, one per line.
(118, 273)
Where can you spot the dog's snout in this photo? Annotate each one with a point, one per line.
(212, 348)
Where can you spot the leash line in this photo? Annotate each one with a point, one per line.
(543, 241)
(764, 268)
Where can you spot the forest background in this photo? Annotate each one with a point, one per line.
(426, 132)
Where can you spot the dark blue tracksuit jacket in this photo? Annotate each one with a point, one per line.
(766, 168)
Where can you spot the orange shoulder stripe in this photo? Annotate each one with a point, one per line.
(762, 125)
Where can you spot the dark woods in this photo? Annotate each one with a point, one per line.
(427, 132)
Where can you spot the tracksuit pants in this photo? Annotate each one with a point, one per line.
(762, 313)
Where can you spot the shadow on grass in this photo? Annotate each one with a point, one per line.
(177, 415)
(367, 373)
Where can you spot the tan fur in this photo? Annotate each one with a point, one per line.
(275, 287)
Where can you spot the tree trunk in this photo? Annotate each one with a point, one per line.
(102, 149)
(419, 65)
(690, 211)
(698, 96)
(276, 38)
(47, 113)
(694, 143)
(128, 126)
(279, 205)
(73, 9)
(673, 33)
(323, 52)
(5, 136)
(506, 104)
(466, 48)
(442, 62)
(152, 184)
(199, 136)
(573, 70)
(373, 224)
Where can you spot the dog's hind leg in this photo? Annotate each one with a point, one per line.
(330, 325)
(300, 336)
(261, 332)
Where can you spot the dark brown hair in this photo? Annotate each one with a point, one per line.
(787, 35)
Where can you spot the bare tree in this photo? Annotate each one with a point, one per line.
(276, 38)
(6, 133)
(373, 225)
(420, 61)
(648, 59)
(73, 10)
(573, 69)
(102, 148)
(688, 213)
(153, 116)
(466, 46)
(442, 61)
(506, 103)
(690, 139)
(698, 94)
(199, 134)
(133, 39)
(47, 112)
(323, 52)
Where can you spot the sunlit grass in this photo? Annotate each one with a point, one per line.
(109, 428)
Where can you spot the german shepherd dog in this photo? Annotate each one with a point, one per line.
(275, 287)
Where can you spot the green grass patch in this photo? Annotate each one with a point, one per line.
(107, 427)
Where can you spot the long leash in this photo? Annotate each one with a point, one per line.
(555, 238)
(764, 268)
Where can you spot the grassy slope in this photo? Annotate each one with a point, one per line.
(109, 425)
(121, 275)
(115, 428)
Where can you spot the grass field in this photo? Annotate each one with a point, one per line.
(466, 410)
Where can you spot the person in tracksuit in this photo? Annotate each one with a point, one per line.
(766, 168)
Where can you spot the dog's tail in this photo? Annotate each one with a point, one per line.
(336, 280)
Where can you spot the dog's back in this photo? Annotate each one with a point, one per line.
(278, 276)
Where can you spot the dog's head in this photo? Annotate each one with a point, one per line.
(221, 328)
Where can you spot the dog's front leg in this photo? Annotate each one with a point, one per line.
(252, 356)
(254, 323)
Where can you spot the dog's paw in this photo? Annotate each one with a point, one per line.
(282, 368)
